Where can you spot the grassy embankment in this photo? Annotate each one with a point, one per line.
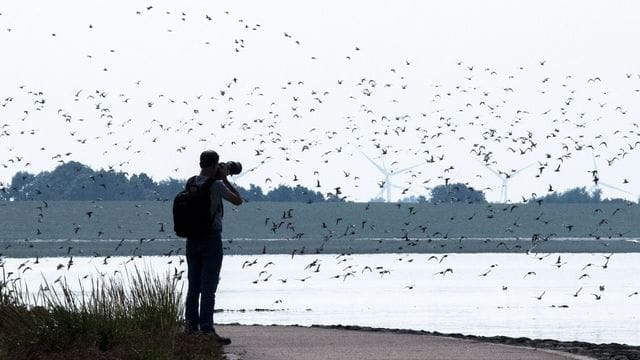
(134, 316)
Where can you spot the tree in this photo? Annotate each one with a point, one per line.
(167, 189)
(253, 194)
(457, 192)
(578, 195)
(414, 199)
(75, 181)
(298, 193)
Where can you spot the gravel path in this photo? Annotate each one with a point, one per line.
(311, 343)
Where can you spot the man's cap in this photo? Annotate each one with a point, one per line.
(208, 158)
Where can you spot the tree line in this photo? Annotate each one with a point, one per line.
(76, 181)
(461, 193)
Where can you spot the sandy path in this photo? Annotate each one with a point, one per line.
(302, 343)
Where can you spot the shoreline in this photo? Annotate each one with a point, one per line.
(597, 351)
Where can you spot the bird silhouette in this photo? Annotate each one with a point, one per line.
(539, 297)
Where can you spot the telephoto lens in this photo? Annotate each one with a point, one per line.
(233, 167)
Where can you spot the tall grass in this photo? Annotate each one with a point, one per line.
(136, 315)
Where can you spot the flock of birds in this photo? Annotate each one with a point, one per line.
(352, 270)
(501, 118)
(312, 131)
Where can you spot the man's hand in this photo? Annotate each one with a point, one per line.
(223, 172)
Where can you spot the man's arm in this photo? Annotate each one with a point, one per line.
(234, 197)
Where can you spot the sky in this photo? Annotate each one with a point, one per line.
(543, 93)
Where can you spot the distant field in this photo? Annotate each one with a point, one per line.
(335, 226)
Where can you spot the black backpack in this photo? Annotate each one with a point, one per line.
(192, 210)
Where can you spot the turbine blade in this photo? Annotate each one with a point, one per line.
(522, 169)
(593, 157)
(400, 171)
(381, 169)
(618, 189)
(488, 168)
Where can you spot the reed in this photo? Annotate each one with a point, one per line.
(135, 315)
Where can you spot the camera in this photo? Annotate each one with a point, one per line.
(233, 167)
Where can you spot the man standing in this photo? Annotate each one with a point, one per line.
(204, 254)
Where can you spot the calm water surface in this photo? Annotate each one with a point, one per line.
(565, 296)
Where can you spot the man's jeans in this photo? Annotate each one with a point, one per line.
(204, 260)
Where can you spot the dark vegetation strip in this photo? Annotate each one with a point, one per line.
(137, 316)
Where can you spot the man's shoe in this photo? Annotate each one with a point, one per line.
(219, 339)
(222, 340)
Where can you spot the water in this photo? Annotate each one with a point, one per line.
(520, 295)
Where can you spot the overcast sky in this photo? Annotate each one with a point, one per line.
(303, 89)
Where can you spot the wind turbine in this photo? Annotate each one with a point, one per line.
(599, 183)
(386, 185)
(504, 177)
